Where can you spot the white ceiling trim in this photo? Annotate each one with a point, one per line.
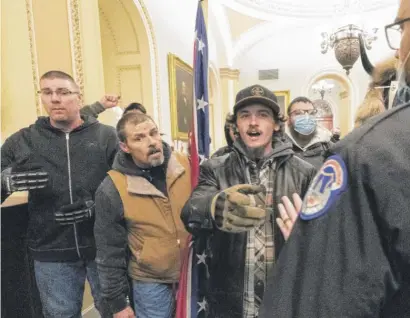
(269, 29)
(281, 26)
(218, 11)
(246, 10)
(271, 9)
(212, 47)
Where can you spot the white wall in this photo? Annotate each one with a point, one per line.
(296, 53)
(174, 24)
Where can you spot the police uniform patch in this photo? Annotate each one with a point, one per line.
(328, 184)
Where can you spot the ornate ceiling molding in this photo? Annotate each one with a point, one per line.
(133, 30)
(232, 74)
(107, 22)
(33, 54)
(110, 28)
(222, 25)
(313, 8)
(75, 39)
(146, 19)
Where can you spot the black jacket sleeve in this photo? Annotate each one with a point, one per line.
(92, 110)
(7, 159)
(341, 264)
(221, 151)
(112, 244)
(196, 214)
(112, 146)
(307, 181)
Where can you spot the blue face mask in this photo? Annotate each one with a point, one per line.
(403, 92)
(305, 124)
(402, 96)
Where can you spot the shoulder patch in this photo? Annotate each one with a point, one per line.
(326, 187)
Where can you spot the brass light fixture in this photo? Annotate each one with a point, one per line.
(345, 43)
(322, 87)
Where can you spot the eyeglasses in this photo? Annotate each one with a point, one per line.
(393, 33)
(298, 112)
(61, 93)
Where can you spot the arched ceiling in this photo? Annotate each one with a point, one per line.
(304, 8)
(244, 23)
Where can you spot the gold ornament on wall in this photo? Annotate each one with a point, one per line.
(33, 54)
(76, 48)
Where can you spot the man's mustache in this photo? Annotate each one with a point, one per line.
(152, 151)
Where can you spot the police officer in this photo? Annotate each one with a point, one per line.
(349, 252)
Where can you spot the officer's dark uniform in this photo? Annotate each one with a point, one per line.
(349, 253)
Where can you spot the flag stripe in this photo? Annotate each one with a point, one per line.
(192, 280)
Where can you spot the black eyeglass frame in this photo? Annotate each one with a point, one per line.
(390, 26)
(305, 111)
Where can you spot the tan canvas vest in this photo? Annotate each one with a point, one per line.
(156, 234)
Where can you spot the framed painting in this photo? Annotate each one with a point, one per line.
(283, 100)
(181, 88)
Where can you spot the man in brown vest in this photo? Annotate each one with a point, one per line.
(138, 208)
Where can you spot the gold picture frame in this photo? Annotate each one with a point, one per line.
(283, 100)
(181, 93)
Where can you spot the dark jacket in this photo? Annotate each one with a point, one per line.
(315, 151)
(354, 260)
(226, 284)
(92, 110)
(76, 160)
(335, 138)
(402, 96)
(137, 222)
(222, 151)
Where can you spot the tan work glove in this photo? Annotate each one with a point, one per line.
(239, 208)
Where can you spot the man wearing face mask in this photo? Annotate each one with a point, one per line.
(349, 252)
(309, 140)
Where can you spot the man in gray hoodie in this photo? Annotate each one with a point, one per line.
(60, 160)
(309, 140)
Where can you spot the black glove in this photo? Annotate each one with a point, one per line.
(23, 176)
(77, 212)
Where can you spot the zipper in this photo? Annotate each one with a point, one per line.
(67, 138)
(178, 240)
(175, 226)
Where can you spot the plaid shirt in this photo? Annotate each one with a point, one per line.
(252, 288)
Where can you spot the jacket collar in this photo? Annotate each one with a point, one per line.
(141, 186)
(44, 122)
(321, 135)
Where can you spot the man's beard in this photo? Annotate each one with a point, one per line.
(403, 71)
(253, 153)
(157, 161)
(403, 77)
(256, 153)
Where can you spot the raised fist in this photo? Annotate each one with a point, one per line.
(110, 100)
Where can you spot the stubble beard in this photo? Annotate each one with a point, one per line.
(157, 161)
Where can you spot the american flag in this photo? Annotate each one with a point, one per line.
(191, 302)
(201, 109)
